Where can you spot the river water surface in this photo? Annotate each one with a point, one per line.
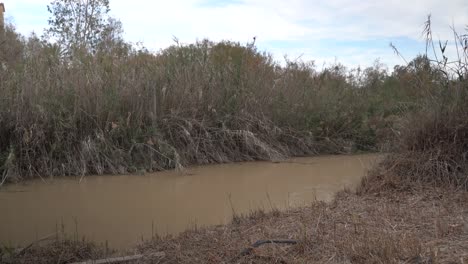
(124, 209)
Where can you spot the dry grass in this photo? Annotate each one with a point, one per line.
(432, 143)
(124, 109)
(420, 226)
(432, 151)
(220, 102)
(428, 226)
(408, 224)
(66, 251)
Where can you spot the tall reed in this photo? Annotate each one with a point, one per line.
(124, 109)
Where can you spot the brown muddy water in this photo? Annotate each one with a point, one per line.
(125, 209)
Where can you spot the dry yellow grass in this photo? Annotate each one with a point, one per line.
(424, 225)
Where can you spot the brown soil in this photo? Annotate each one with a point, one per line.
(415, 226)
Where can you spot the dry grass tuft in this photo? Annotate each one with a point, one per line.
(66, 251)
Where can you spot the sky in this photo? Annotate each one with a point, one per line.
(354, 33)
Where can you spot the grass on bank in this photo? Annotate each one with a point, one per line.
(432, 143)
(237, 103)
(429, 225)
(124, 109)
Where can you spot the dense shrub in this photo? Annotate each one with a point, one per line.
(121, 109)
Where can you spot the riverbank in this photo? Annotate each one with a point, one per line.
(95, 207)
(124, 109)
(419, 225)
(423, 226)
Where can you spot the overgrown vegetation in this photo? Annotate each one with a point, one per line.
(432, 147)
(121, 109)
(90, 103)
(114, 108)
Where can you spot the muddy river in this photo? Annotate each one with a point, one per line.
(122, 210)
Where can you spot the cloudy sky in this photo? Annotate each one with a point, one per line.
(352, 32)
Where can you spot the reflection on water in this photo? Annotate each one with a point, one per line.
(123, 209)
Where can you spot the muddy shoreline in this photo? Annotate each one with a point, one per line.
(123, 209)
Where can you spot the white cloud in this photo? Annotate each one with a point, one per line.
(307, 22)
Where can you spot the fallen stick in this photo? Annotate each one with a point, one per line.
(121, 259)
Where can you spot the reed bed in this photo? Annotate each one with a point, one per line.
(124, 109)
(432, 143)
